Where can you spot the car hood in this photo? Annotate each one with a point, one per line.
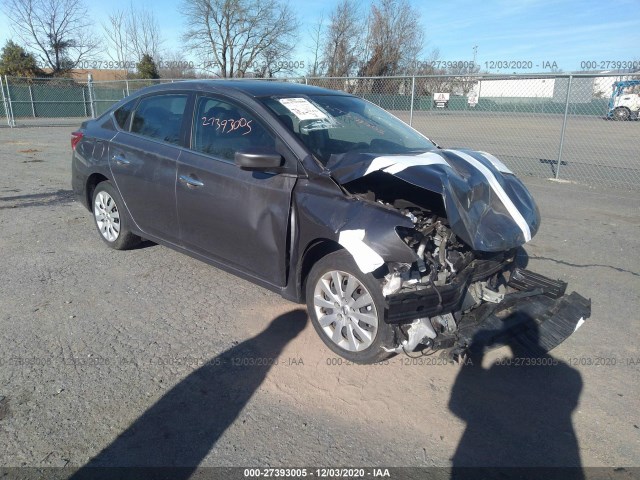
(487, 206)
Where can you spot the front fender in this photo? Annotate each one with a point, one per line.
(367, 230)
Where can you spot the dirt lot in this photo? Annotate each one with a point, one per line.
(148, 357)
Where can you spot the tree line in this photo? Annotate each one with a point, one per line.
(227, 38)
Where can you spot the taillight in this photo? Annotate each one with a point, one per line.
(75, 138)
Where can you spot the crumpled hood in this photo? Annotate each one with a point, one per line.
(487, 206)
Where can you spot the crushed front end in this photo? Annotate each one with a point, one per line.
(470, 216)
(453, 296)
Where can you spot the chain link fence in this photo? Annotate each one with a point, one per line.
(550, 126)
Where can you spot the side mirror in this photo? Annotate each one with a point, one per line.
(258, 158)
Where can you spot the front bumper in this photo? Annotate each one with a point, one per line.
(405, 307)
(536, 312)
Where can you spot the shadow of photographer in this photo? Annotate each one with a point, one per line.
(180, 429)
(518, 411)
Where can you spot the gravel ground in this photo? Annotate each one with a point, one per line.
(149, 357)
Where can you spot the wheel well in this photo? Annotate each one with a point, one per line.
(312, 254)
(93, 180)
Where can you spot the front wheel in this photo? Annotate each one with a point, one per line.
(621, 113)
(109, 218)
(346, 308)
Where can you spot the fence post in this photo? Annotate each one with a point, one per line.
(33, 108)
(12, 120)
(84, 103)
(4, 103)
(126, 82)
(413, 91)
(90, 88)
(564, 127)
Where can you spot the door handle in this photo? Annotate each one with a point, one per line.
(190, 181)
(120, 160)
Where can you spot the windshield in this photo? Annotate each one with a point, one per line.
(334, 125)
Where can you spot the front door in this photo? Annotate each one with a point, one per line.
(238, 217)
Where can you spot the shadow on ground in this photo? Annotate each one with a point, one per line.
(518, 411)
(46, 199)
(183, 426)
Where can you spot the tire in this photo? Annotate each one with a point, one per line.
(110, 219)
(621, 114)
(350, 324)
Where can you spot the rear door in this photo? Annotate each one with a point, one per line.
(143, 162)
(237, 217)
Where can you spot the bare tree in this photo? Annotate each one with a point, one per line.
(143, 32)
(314, 68)
(394, 38)
(465, 80)
(174, 65)
(115, 33)
(130, 34)
(343, 46)
(432, 79)
(232, 37)
(273, 62)
(59, 31)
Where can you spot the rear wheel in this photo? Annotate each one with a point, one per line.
(621, 113)
(110, 220)
(346, 308)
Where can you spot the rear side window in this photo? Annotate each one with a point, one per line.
(221, 129)
(122, 115)
(160, 117)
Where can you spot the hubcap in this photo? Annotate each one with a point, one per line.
(107, 216)
(345, 310)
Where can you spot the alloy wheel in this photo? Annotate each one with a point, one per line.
(345, 310)
(107, 216)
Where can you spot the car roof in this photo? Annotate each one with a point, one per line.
(253, 88)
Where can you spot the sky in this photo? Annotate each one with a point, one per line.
(538, 34)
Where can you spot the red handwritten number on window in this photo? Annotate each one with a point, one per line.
(228, 126)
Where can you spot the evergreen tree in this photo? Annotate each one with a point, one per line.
(147, 67)
(16, 61)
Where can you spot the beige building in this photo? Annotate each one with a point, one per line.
(80, 74)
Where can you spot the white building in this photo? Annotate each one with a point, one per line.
(518, 87)
(583, 89)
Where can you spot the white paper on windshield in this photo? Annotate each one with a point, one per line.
(302, 108)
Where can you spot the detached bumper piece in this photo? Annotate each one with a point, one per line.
(536, 323)
(526, 280)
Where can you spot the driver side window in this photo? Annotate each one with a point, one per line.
(221, 129)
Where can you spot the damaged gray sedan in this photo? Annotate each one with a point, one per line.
(395, 244)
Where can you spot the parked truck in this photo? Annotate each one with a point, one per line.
(624, 106)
